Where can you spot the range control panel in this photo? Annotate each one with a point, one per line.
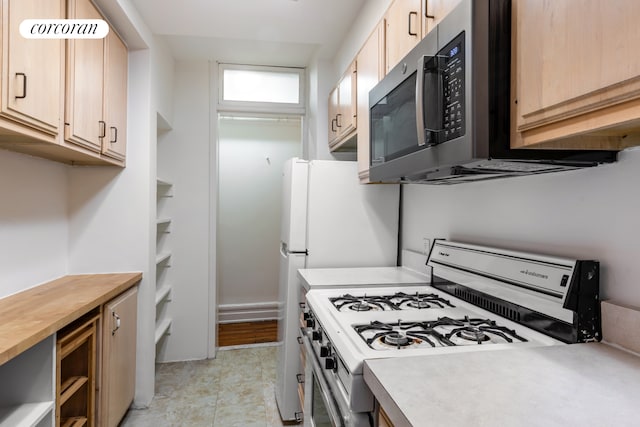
(452, 66)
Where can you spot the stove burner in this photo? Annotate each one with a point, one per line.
(473, 334)
(360, 306)
(420, 304)
(397, 339)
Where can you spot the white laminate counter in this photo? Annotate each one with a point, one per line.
(567, 385)
(314, 278)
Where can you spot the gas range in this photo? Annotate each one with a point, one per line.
(406, 321)
(479, 299)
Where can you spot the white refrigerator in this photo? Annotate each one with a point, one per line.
(329, 219)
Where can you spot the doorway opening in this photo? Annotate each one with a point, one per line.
(252, 150)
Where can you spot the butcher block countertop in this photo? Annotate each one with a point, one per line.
(583, 385)
(28, 317)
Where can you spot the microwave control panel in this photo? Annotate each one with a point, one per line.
(453, 70)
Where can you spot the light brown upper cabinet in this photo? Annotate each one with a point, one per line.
(41, 93)
(342, 112)
(115, 99)
(85, 79)
(32, 75)
(576, 74)
(403, 29)
(95, 110)
(433, 11)
(371, 69)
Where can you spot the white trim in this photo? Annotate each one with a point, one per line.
(255, 312)
(261, 107)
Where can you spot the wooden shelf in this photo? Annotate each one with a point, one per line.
(73, 422)
(162, 293)
(70, 386)
(162, 329)
(160, 258)
(25, 415)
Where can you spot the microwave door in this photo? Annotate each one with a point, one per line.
(429, 100)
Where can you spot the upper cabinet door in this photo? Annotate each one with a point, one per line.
(370, 61)
(577, 72)
(333, 115)
(32, 81)
(84, 123)
(347, 101)
(404, 29)
(433, 11)
(115, 97)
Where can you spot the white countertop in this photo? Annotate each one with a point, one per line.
(567, 385)
(314, 278)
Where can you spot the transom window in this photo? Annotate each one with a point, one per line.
(260, 88)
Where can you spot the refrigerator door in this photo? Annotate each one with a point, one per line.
(350, 224)
(288, 331)
(293, 226)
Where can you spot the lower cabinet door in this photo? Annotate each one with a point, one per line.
(119, 325)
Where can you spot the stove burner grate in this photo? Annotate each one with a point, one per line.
(397, 301)
(443, 332)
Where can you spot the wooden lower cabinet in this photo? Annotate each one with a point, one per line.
(95, 365)
(118, 357)
(76, 373)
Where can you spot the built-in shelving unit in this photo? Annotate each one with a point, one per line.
(76, 372)
(165, 191)
(29, 403)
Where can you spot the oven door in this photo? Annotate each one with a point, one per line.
(320, 407)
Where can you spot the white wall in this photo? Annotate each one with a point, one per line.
(183, 159)
(252, 155)
(586, 214)
(33, 221)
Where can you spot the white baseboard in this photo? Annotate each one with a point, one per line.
(255, 312)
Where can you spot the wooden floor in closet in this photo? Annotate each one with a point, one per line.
(247, 333)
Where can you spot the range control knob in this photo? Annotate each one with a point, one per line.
(325, 351)
(311, 323)
(331, 363)
(316, 335)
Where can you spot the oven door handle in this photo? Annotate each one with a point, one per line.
(332, 407)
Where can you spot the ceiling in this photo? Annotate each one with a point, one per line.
(264, 32)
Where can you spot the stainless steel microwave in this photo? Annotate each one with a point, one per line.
(442, 114)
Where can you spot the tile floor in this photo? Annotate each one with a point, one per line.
(235, 389)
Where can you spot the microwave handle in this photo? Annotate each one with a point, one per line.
(423, 69)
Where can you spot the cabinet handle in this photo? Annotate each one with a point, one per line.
(409, 24)
(338, 116)
(300, 378)
(426, 10)
(333, 122)
(299, 340)
(117, 320)
(103, 129)
(24, 86)
(114, 132)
